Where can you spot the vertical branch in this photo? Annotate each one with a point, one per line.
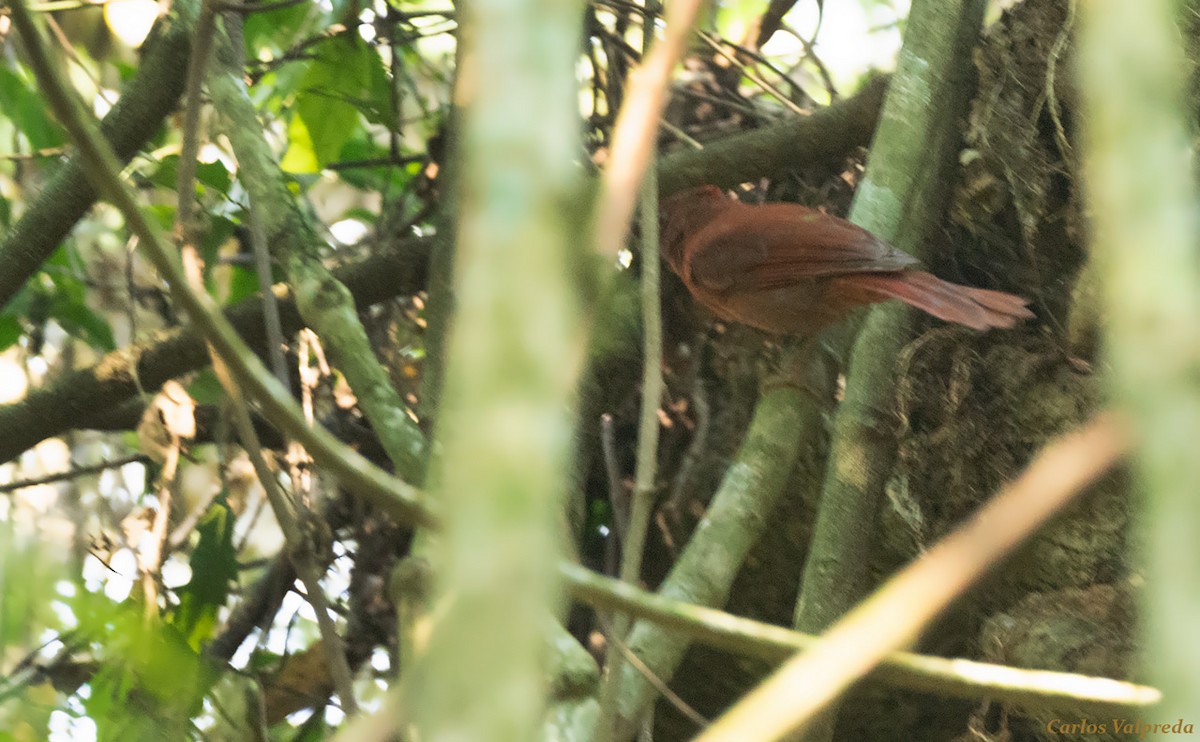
(652, 382)
(642, 504)
(900, 199)
(297, 541)
(1145, 235)
(652, 388)
(735, 520)
(512, 357)
(259, 247)
(189, 150)
(439, 308)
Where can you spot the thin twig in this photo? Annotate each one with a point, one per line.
(617, 499)
(727, 103)
(288, 519)
(1060, 43)
(680, 134)
(673, 698)
(394, 160)
(652, 384)
(297, 544)
(262, 255)
(179, 534)
(760, 59)
(59, 5)
(82, 471)
(693, 454)
(69, 49)
(753, 76)
(811, 53)
(646, 472)
(271, 320)
(151, 556)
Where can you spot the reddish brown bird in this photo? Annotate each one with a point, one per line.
(788, 269)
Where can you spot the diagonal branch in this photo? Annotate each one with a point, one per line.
(735, 520)
(148, 99)
(325, 303)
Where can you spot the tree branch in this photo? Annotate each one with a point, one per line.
(950, 677)
(325, 303)
(793, 143)
(89, 393)
(1139, 130)
(148, 99)
(77, 397)
(733, 523)
(901, 199)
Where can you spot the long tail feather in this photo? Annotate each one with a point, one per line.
(979, 309)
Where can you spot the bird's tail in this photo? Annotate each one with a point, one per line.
(979, 309)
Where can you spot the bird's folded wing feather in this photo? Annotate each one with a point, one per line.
(777, 245)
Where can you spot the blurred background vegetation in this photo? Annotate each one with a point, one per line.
(120, 619)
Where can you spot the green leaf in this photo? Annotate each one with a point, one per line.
(10, 331)
(243, 282)
(21, 305)
(344, 10)
(166, 173)
(338, 83)
(26, 108)
(81, 322)
(275, 30)
(164, 213)
(205, 389)
(220, 229)
(363, 215)
(263, 659)
(214, 568)
(65, 300)
(377, 105)
(63, 257)
(149, 682)
(213, 175)
(300, 156)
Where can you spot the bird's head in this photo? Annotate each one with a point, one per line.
(682, 214)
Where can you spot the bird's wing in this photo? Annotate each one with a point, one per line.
(778, 245)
